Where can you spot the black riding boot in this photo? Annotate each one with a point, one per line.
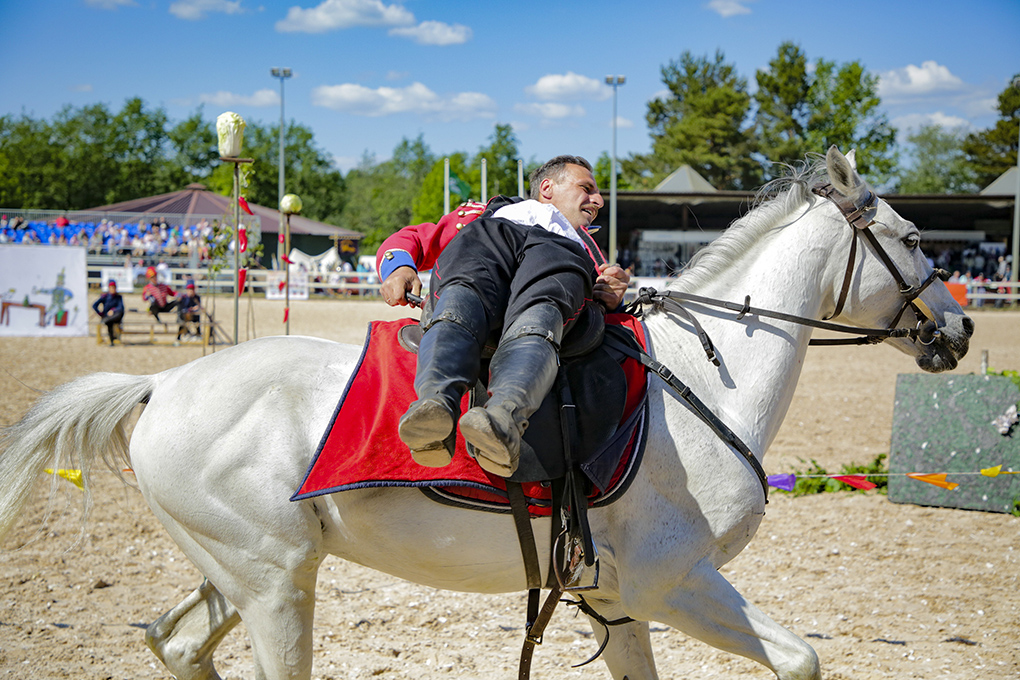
(522, 372)
(449, 357)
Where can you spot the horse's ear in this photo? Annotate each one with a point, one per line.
(851, 158)
(842, 171)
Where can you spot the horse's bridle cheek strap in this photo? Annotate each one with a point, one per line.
(855, 216)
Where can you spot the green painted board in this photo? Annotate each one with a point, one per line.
(943, 423)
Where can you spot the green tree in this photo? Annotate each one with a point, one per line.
(604, 173)
(993, 151)
(699, 123)
(844, 105)
(801, 110)
(940, 165)
(427, 205)
(782, 99)
(309, 172)
(501, 156)
(29, 164)
(381, 195)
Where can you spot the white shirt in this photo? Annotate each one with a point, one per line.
(545, 215)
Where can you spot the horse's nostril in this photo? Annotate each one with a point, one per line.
(968, 325)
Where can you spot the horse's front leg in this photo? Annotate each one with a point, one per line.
(628, 654)
(705, 606)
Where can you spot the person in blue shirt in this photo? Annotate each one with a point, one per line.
(110, 308)
(189, 310)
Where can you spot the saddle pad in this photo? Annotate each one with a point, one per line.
(361, 448)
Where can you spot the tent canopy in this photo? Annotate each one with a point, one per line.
(196, 199)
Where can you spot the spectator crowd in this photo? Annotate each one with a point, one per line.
(141, 239)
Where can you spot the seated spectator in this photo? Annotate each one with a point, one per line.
(110, 308)
(189, 310)
(158, 294)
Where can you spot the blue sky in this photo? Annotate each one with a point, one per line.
(368, 73)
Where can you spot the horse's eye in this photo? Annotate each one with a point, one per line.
(912, 241)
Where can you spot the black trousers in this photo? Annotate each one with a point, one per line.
(513, 267)
(112, 321)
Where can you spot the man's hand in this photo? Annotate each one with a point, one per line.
(611, 285)
(401, 281)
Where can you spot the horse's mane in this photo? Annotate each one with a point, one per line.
(772, 202)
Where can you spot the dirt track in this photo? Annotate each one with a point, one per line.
(880, 590)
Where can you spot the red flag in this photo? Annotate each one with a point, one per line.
(286, 259)
(286, 314)
(242, 275)
(242, 237)
(244, 205)
(282, 285)
(281, 237)
(856, 481)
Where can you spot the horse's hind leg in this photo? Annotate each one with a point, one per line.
(705, 606)
(628, 654)
(185, 637)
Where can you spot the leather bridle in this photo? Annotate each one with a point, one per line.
(860, 215)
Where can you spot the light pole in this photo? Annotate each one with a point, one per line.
(614, 82)
(1015, 266)
(282, 74)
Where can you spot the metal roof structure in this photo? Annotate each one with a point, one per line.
(195, 199)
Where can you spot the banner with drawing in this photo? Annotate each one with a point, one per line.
(43, 291)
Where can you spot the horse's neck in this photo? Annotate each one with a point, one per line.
(760, 358)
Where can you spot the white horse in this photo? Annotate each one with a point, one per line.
(225, 440)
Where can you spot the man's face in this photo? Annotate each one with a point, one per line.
(575, 194)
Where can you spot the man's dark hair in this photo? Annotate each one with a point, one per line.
(552, 168)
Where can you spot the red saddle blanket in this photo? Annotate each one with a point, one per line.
(361, 449)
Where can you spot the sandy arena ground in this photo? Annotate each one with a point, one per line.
(880, 590)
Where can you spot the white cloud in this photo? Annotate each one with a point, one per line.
(192, 10)
(729, 8)
(918, 81)
(265, 97)
(568, 86)
(912, 122)
(397, 75)
(435, 33)
(623, 122)
(415, 98)
(336, 14)
(550, 110)
(110, 4)
(84, 87)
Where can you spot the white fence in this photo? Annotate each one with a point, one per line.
(337, 283)
(986, 294)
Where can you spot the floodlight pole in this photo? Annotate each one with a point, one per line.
(1014, 267)
(485, 180)
(282, 74)
(446, 186)
(614, 82)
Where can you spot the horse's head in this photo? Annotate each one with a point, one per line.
(890, 282)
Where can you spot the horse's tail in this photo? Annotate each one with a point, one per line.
(68, 428)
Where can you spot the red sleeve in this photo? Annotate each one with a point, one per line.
(420, 244)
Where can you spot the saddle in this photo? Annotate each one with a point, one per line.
(593, 385)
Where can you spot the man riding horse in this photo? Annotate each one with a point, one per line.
(525, 272)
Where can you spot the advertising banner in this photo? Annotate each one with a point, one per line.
(43, 290)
